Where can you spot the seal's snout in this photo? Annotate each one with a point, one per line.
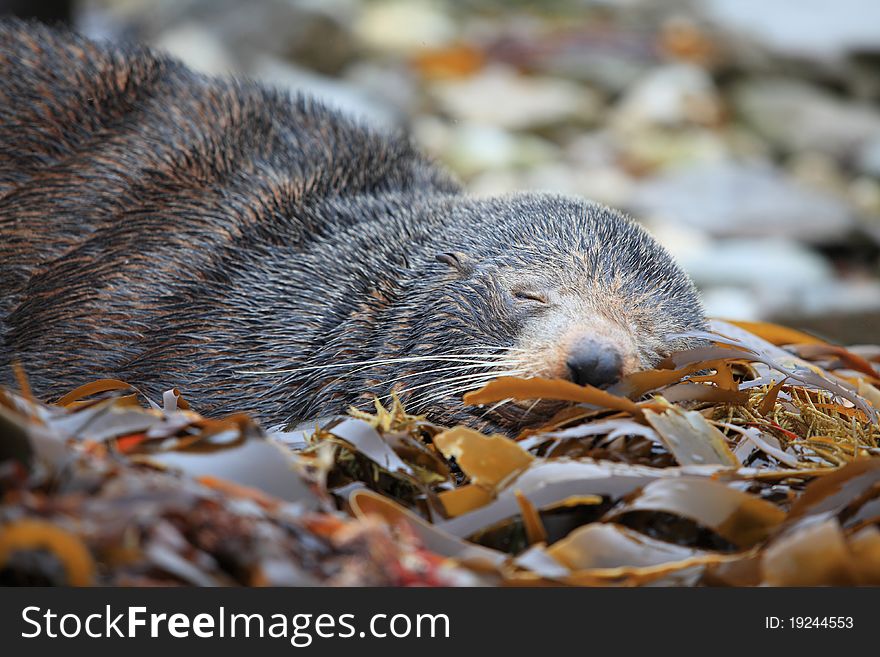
(594, 363)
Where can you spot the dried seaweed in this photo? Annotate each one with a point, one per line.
(749, 460)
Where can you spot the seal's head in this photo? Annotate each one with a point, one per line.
(542, 285)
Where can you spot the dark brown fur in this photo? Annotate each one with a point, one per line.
(171, 230)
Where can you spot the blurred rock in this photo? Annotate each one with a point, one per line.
(197, 47)
(752, 278)
(605, 185)
(596, 148)
(818, 171)
(332, 92)
(608, 185)
(556, 177)
(404, 26)
(865, 195)
(669, 96)
(868, 160)
(394, 86)
(731, 303)
(654, 148)
(850, 328)
(473, 148)
(756, 263)
(813, 29)
(499, 96)
(608, 46)
(493, 183)
(431, 133)
(742, 199)
(612, 72)
(314, 33)
(747, 262)
(838, 297)
(797, 116)
(843, 310)
(860, 76)
(832, 303)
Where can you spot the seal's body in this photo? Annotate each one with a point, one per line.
(262, 253)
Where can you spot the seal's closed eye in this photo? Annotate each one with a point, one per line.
(461, 262)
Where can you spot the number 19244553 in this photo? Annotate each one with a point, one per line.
(808, 622)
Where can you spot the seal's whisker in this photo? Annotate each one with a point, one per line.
(489, 347)
(493, 362)
(424, 373)
(471, 385)
(386, 385)
(461, 358)
(531, 408)
(487, 376)
(495, 407)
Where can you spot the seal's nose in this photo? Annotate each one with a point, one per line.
(593, 363)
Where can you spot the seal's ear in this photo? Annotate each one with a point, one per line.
(462, 263)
